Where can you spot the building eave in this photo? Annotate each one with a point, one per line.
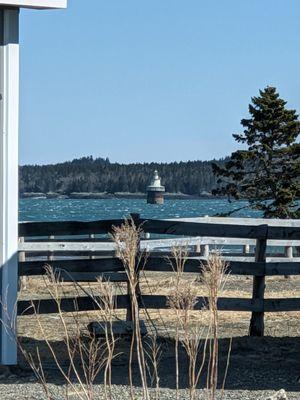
(35, 4)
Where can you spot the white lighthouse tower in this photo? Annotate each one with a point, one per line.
(155, 191)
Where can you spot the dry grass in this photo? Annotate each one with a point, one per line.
(231, 323)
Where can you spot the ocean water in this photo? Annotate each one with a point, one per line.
(96, 209)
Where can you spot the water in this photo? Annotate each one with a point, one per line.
(90, 209)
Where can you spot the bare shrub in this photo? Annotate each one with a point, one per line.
(176, 299)
(182, 300)
(127, 240)
(107, 303)
(154, 353)
(213, 277)
(86, 354)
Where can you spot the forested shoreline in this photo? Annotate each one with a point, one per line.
(99, 175)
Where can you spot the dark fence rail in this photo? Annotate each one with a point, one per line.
(159, 264)
(65, 228)
(105, 264)
(49, 306)
(163, 227)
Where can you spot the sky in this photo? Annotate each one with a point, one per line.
(150, 80)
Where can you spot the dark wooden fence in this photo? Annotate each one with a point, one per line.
(101, 261)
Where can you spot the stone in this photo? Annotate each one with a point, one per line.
(281, 395)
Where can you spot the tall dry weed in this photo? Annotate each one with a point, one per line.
(182, 300)
(213, 277)
(127, 240)
(154, 353)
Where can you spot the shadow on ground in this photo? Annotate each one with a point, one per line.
(255, 364)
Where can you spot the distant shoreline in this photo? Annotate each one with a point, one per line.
(106, 196)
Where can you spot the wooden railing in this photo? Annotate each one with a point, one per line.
(90, 256)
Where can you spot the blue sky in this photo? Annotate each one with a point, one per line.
(151, 80)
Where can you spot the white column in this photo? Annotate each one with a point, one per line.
(9, 121)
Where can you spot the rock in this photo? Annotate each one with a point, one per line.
(281, 395)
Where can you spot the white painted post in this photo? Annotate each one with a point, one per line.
(9, 121)
(9, 126)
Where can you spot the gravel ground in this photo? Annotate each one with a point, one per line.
(34, 392)
(27, 391)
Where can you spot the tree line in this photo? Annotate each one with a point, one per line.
(98, 175)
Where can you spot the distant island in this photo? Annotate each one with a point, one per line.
(90, 177)
(120, 195)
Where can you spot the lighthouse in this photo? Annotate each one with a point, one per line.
(155, 191)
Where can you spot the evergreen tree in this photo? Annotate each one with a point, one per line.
(267, 172)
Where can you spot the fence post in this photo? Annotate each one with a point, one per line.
(246, 249)
(51, 254)
(289, 251)
(147, 237)
(91, 236)
(205, 250)
(22, 258)
(257, 318)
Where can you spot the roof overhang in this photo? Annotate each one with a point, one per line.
(38, 4)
